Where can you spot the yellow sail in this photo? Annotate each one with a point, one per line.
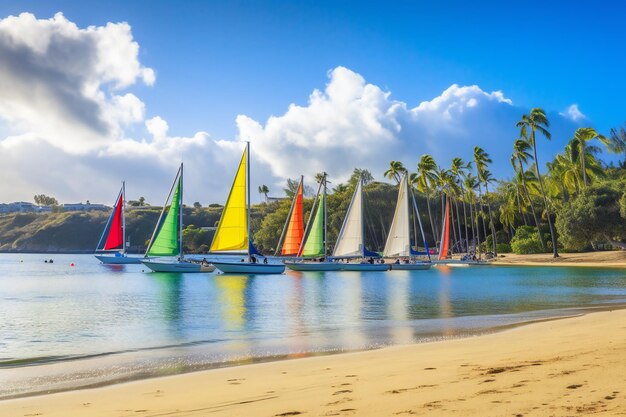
(232, 230)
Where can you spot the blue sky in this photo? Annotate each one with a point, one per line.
(217, 60)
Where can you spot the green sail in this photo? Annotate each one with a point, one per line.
(314, 245)
(166, 242)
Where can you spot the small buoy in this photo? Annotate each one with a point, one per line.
(72, 264)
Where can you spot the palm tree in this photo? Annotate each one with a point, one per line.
(395, 171)
(263, 189)
(537, 121)
(426, 178)
(482, 160)
(618, 141)
(521, 155)
(584, 135)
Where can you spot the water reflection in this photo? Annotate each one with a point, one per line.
(232, 300)
(398, 306)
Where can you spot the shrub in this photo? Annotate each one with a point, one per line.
(527, 241)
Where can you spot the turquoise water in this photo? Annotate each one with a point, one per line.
(65, 326)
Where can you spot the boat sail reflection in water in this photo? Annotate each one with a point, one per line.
(233, 231)
(165, 250)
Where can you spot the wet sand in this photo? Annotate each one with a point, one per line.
(573, 366)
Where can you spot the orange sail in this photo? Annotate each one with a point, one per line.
(445, 233)
(295, 229)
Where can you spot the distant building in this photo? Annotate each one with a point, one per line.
(84, 207)
(19, 207)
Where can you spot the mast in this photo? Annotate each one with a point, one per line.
(180, 215)
(362, 220)
(124, 216)
(325, 215)
(248, 194)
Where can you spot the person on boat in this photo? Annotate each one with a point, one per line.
(265, 261)
(204, 261)
(253, 259)
(397, 262)
(370, 260)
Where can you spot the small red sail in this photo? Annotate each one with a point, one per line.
(115, 239)
(445, 233)
(295, 229)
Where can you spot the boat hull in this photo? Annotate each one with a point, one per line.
(459, 263)
(410, 267)
(363, 267)
(313, 266)
(249, 268)
(118, 260)
(177, 266)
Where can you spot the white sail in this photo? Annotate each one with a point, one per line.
(350, 242)
(399, 238)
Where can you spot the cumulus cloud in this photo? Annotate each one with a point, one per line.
(60, 82)
(356, 124)
(68, 120)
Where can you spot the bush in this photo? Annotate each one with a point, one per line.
(527, 241)
(503, 248)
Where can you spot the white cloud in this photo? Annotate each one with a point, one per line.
(69, 122)
(355, 124)
(573, 113)
(60, 82)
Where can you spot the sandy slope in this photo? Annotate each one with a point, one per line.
(569, 367)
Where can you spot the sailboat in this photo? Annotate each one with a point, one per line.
(314, 243)
(165, 250)
(444, 247)
(398, 243)
(233, 231)
(351, 240)
(293, 232)
(112, 246)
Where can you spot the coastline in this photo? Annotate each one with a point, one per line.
(529, 370)
(599, 259)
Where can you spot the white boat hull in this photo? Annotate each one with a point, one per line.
(118, 260)
(363, 267)
(459, 263)
(249, 268)
(313, 266)
(410, 267)
(177, 266)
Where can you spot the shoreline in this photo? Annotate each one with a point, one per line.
(66, 403)
(541, 316)
(598, 259)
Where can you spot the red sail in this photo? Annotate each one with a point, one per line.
(445, 233)
(295, 229)
(115, 239)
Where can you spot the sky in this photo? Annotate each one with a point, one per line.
(95, 92)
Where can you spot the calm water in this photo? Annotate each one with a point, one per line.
(64, 326)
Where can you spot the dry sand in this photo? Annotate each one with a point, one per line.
(569, 367)
(613, 259)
